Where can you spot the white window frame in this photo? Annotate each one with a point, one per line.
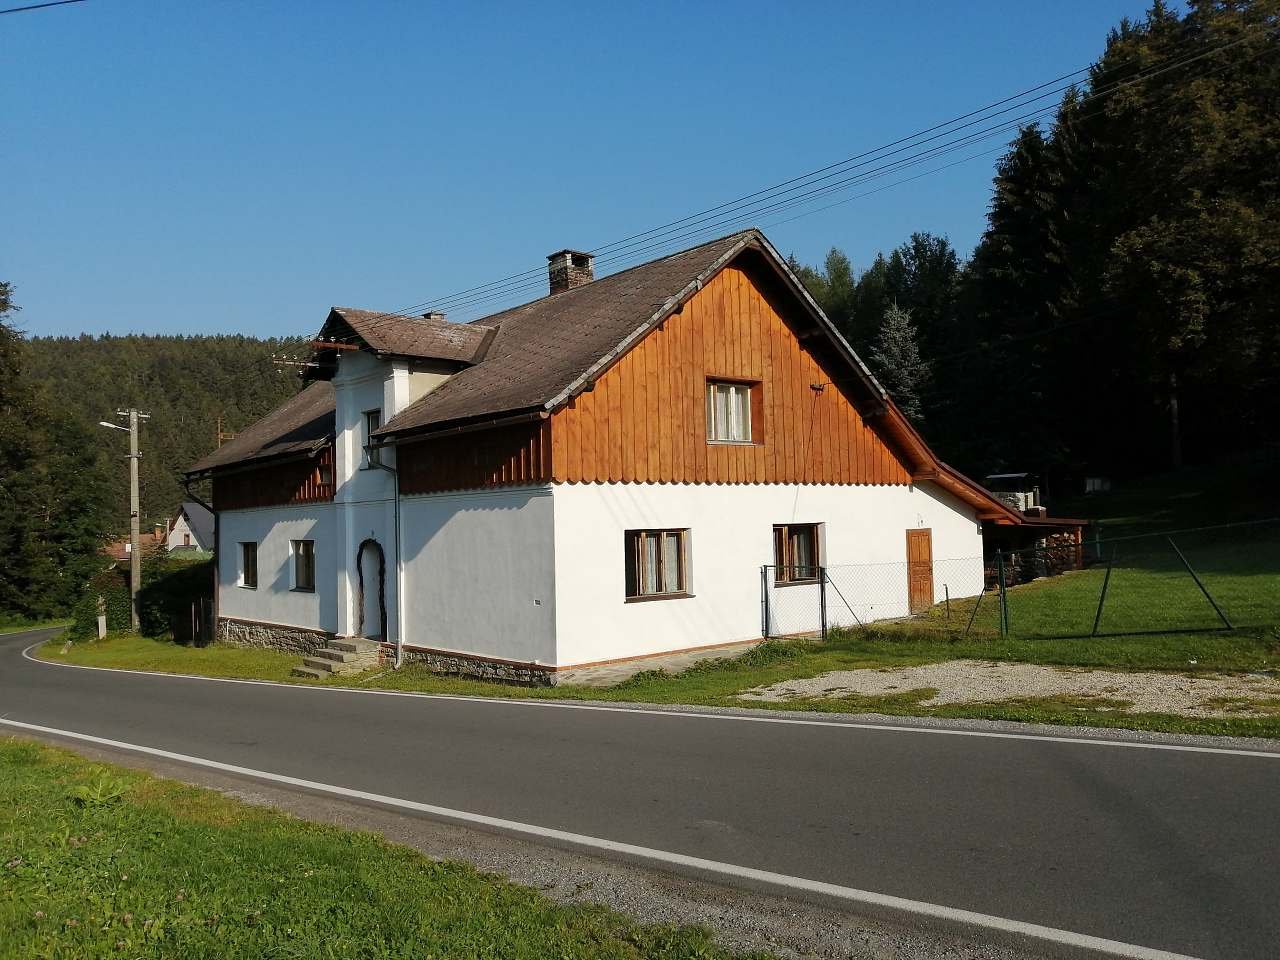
(295, 553)
(721, 432)
(370, 420)
(243, 580)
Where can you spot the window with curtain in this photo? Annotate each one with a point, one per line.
(657, 563)
(795, 553)
(304, 565)
(728, 412)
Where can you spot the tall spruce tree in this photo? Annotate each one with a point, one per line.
(896, 359)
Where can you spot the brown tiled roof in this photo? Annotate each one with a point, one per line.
(543, 348)
(422, 337)
(302, 424)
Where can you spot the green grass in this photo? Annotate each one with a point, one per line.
(717, 682)
(18, 625)
(98, 861)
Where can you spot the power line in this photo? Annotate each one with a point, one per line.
(775, 200)
(40, 6)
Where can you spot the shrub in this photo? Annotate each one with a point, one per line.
(170, 586)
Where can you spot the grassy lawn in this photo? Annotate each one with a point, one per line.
(717, 682)
(99, 861)
(17, 626)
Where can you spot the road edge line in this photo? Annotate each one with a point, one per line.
(661, 858)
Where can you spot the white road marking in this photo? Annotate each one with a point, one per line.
(686, 714)
(663, 858)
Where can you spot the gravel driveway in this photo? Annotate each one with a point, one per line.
(987, 681)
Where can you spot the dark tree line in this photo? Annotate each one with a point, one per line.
(1122, 310)
(64, 480)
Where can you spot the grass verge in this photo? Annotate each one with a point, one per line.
(99, 861)
(18, 626)
(718, 682)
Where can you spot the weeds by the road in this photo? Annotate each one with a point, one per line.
(719, 682)
(150, 867)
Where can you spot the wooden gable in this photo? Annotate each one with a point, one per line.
(644, 420)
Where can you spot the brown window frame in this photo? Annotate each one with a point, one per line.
(636, 565)
(304, 562)
(785, 567)
(249, 564)
(755, 410)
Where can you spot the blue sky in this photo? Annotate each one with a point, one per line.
(239, 167)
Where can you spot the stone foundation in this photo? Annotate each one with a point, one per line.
(270, 636)
(495, 670)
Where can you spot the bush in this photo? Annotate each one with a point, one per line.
(170, 586)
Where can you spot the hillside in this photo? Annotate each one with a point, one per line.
(185, 383)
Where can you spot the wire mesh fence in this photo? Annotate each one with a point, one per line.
(1208, 578)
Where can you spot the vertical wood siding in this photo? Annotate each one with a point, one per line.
(506, 456)
(645, 419)
(294, 481)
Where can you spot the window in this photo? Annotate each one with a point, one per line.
(657, 563)
(304, 565)
(186, 539)
(795, 553)
(728, 412)
(372, 421)
(249, 566)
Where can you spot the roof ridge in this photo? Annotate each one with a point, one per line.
(479, 321)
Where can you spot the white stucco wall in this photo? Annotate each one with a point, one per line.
(731, 536)
(479, 573)
(274, 600)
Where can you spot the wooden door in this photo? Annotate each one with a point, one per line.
(919, 570)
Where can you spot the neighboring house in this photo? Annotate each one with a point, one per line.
(594, 476)
(191, 528)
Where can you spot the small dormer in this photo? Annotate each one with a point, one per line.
(380, 364)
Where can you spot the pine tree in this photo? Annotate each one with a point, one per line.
(897, 362)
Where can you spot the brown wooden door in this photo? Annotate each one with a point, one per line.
(919, 570)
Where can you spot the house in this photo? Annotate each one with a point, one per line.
(190, 528)
(594, 476)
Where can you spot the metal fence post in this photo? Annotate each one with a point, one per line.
(822, 600)
(1102, 597)
(1203, 589)
(764, 602)
(1004, 601)
(974, 615)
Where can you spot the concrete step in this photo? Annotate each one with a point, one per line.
(309, 673)
(319, 663)
(354, 645)
(341, 656)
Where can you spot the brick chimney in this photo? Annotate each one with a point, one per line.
(567, 269)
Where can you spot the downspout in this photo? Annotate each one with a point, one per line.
(395, 477)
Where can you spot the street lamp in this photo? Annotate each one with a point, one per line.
(135, 541)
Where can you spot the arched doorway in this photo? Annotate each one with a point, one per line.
(371, 592)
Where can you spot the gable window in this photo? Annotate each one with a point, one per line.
(657, 563)
(249, 566)
(372, 421)
(795, 553)
(304, 565)
(728, 412)
(186, 539)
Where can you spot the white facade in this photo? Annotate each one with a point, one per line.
(537, 574)
(730, 539)
(275, 600)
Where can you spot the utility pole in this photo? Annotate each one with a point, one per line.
(135, 538)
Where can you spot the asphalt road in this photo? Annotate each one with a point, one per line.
(1168, 849)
